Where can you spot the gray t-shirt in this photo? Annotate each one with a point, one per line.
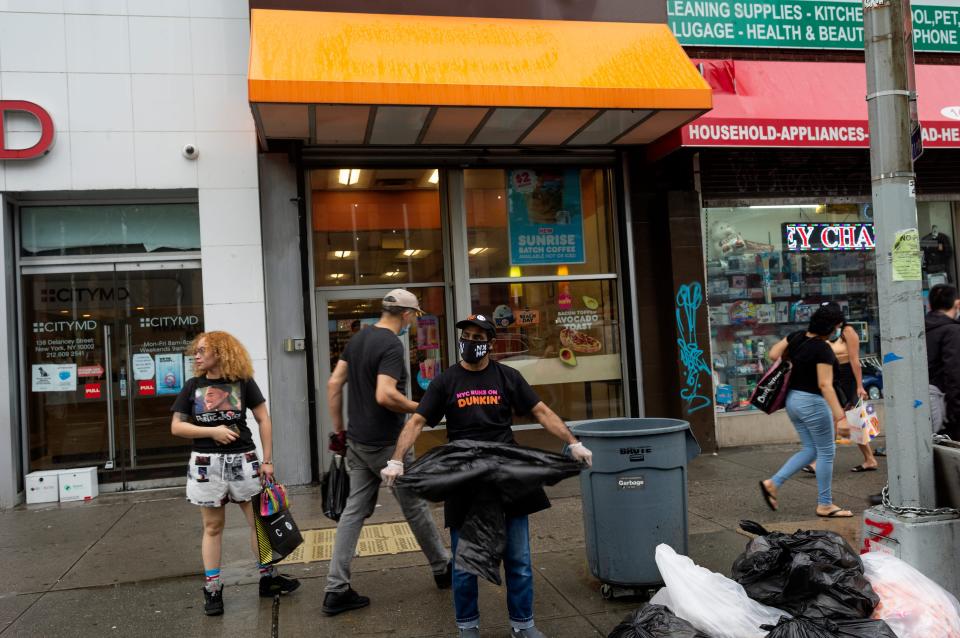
(370, 352)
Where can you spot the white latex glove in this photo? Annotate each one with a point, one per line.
(390, 473)
(579, 452)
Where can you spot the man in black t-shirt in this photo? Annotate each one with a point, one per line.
(479, 398)
(374, 367)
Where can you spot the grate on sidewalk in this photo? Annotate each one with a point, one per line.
(375, 540)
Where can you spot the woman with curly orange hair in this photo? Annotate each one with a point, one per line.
(224, 466)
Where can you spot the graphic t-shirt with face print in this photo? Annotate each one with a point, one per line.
(213, 402)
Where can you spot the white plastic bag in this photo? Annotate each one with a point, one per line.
(711, 602)
(913, 605)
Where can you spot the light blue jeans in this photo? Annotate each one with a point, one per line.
(813, 421)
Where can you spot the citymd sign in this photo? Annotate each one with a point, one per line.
(43, 145)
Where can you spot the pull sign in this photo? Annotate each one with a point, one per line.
(43, 145)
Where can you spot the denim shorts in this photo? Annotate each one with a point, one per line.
(213, 480)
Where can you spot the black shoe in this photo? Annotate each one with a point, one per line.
(445, 578)
(270, 586)
(337, 602)
(213, 602)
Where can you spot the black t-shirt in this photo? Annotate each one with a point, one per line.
(370, 352)
(479, 406)
(213, 402)
(805, 353)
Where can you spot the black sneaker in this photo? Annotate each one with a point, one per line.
(270, 586)
(445, 578)
(337, 602)
(213, 602)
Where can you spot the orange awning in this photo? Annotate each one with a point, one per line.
(354, 78)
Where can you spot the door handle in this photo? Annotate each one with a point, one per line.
(111, 426)
(131, 418)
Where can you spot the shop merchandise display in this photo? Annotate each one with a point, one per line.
(758, 292)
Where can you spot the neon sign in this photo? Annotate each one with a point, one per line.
(824, 237)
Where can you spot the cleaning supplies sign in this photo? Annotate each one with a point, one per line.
(544, 217)
(803, 24)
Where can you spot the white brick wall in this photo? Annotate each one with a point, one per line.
(128, 83)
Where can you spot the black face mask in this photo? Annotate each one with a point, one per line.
(473, 351)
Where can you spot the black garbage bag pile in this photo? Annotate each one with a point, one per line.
(810, 574)
(495, 474)
(654, 621)
(824, 628)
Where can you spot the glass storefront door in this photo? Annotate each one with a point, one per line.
(103, 360)
(343, 313)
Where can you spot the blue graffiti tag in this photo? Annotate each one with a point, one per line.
(689, 299)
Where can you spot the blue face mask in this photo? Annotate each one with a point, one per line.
(404, 330)
(836, 334)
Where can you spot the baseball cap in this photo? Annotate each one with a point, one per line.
(400, 298)
(480, 321)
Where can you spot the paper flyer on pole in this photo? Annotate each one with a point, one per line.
(544, 217)
(906, 256)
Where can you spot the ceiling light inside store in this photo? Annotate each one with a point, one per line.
(411, 252)
(791, 206)
(479, 250)
(64, 312)
(342, 254)
(349, 176)
(434, 176)
(337, 275)
(391, 274)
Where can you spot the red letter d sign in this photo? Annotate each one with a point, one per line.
(43, 145)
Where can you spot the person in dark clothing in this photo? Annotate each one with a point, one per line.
(374, 366)
(943, 359)
(479, 398)
(813, 407)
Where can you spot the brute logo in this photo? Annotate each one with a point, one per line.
(42, 146)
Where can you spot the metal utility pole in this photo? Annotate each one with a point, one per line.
(889, 53)
(907, 524)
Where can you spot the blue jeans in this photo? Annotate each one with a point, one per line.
(518, 568)
(813, 421)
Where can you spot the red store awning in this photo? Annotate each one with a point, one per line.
(810, 104)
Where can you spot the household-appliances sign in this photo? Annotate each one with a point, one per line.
(823, 237)
(42, 146)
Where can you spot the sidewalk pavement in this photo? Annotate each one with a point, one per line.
(129, 564)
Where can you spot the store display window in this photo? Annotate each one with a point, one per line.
(528, 229)
(937, 243)
(768, 269)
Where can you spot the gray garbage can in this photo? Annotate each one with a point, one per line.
(634, 497)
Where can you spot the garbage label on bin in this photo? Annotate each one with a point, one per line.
(630, 483)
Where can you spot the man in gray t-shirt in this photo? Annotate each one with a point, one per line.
(374, 367)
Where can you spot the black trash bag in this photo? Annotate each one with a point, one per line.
(654, 621)
(824, 628)
(810, 573)
(496, 474)
(336, 488)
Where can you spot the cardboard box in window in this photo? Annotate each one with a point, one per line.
(79, 484)
(767, 313)
(43, 486)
